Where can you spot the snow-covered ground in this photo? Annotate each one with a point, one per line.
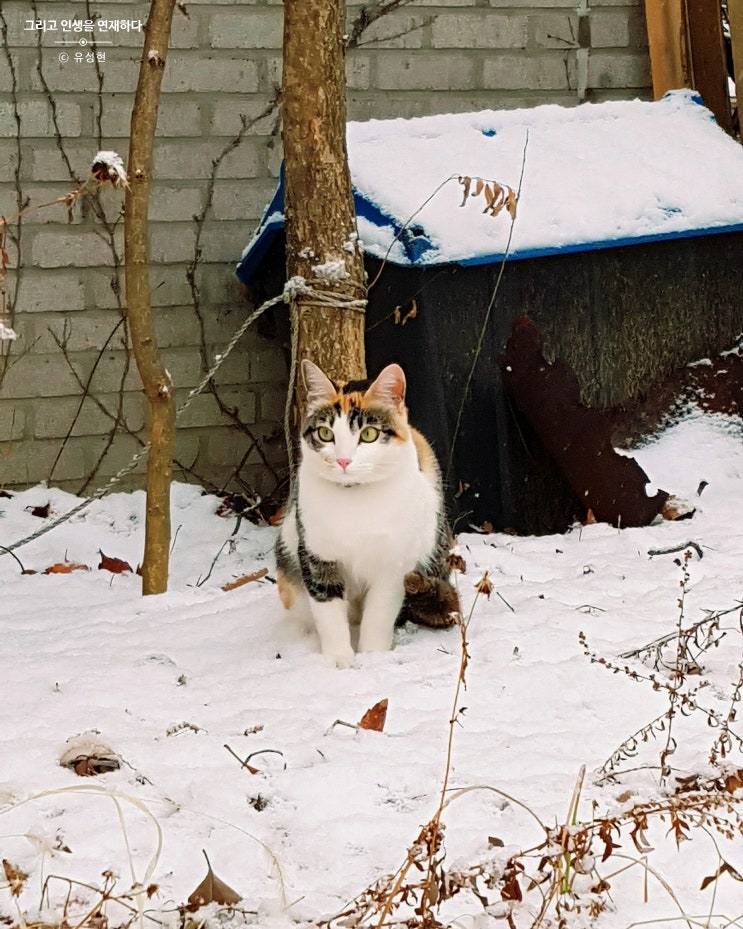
(169, 682)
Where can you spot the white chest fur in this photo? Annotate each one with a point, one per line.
(387, 525)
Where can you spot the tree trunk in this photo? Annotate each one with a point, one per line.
(321, 242)
(155, 379)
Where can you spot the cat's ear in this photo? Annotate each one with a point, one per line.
(320, 389)
(389, 387)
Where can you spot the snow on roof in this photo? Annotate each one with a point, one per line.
(591, 176)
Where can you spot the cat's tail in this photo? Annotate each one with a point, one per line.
(430, 601)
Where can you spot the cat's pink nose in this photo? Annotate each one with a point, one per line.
(343, 462)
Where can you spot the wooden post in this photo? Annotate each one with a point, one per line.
(669, 48)
(735, 18)
(686, 50)
(709, 72)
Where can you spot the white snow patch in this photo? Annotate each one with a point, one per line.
(173, 679)
(331, 270)
(593, 173)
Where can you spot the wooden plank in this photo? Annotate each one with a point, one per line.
(708, 69)
(735, 17)
(667, 38)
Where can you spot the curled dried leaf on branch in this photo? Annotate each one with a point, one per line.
(497, 196)
(397, 314)
(106, 168)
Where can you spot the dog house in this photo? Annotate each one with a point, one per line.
(615, 228)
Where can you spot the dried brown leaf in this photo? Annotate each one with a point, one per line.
(93, 765)
(499, 200)
(41, 511)
(605, 834)
(375, 717)
(87, 755)
(466, 182)
(114, 565)
(511, 890)
(15, 877)
(65, 567)
(484, 585)
(213, 890)
(725, 868)
(412, 312)
(734, 781)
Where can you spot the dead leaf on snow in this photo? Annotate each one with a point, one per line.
(15, 877)
(41, 511)
(375, 717)
(66, 567)
(114, 565)
(213, 890)
(87, 756)
(725, 868)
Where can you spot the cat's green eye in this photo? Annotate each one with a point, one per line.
(369, 434)
(325, 434)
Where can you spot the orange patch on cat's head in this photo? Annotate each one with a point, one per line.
(385, 394)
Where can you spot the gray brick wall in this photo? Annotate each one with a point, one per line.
(71, 408)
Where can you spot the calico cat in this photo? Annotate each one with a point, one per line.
(365, 538)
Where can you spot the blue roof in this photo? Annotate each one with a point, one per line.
(594, 176)
(412, 238)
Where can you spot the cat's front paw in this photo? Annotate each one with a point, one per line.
(342, 658)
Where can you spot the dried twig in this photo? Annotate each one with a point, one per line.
(486, 320)
(370, 14)
(192, 279)
(677, 548)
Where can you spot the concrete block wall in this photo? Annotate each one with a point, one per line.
(71, 408)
